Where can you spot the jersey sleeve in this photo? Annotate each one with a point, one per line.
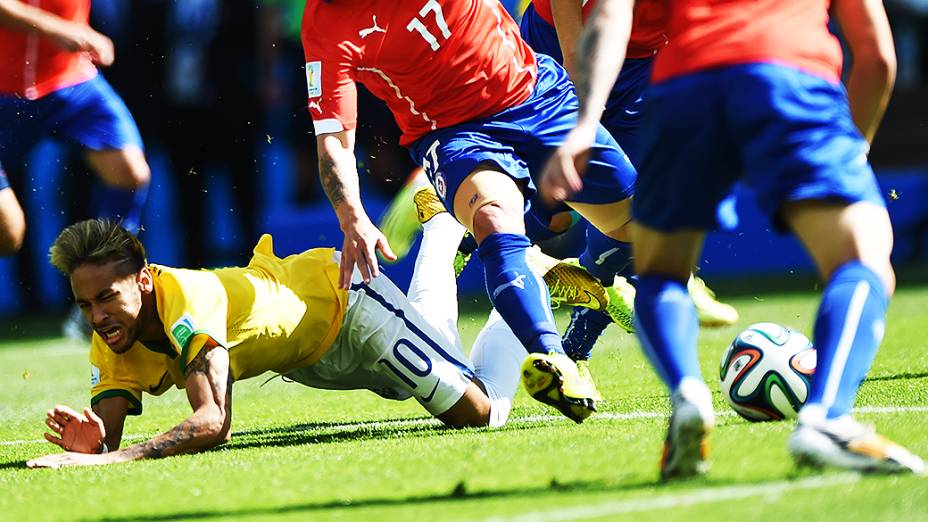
(333, 95)
(110, 379)
(194, 311)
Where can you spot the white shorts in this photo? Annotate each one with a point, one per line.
(386, 346)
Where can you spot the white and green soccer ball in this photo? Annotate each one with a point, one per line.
(766, 372)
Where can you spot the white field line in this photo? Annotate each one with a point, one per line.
(529, 419)
(704, 495)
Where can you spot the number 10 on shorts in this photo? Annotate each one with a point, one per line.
(413, 367)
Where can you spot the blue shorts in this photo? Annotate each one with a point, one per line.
(622, 116)
(90, 114)
(783, 132)
(520, 139)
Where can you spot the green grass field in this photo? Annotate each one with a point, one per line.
(306, 454)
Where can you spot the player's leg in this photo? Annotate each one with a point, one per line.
(100, 122)
(809, 163)
(433, 289)
(399, 222)
(12, 220)
(491, 205)
(125, 175)
(668, 235)
(414, 355)
(497, 355)
(668, 329)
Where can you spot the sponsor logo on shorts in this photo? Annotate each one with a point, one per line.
(428, 398)
(314, 79)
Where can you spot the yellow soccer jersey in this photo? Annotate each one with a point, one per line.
(273, 315)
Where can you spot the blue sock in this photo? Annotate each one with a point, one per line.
(520, 295)
(605, 257)
(123, 204)
(585, 328)
(667, 327)
(848, 331)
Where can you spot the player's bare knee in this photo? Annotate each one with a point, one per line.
(10, 243)
(497, 217)
(12, 223)
(125, 169)
(471, 411)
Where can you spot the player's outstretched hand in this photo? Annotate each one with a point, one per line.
(563, 172)
(60, 460)
(76, 37)
(78, 432)
(362, 241)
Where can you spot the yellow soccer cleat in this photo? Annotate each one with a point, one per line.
(568, 282)
(427, 204)
(553, 379)
(414, 205)
(621, 307)
(583, 369)
(711, 312)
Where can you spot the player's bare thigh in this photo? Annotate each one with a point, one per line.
(670, 254)
(488, 201)
(612, 219)
(12, 223)
(125, 168)
(835, 233)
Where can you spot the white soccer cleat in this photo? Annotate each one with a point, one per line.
(846, 443)
(686, 448)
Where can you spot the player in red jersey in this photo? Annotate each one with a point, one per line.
(480, 113)
(770, 111)
(49, 84)
(553, 27)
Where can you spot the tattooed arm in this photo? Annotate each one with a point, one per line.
(599, 60)
(209, 390)
(339, 175)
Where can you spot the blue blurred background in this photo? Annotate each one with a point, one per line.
(217, 88)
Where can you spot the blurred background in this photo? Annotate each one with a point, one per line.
(217, 88)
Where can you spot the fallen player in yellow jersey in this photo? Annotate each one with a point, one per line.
(156, 327)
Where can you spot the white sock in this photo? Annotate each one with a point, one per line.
(497, 355)
(433, 289)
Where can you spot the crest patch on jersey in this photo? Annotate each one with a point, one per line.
(314, 79)
(182, 330)
(94, 375)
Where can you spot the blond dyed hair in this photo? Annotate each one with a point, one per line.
(97, 241)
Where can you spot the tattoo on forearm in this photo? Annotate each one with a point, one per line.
(333, 186)
(169, 443)
(586, 56)
(191, 434)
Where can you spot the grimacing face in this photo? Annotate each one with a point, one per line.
(110, 302)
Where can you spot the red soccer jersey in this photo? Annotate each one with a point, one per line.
(32, 66)
(716, 33)
(648, 25)
(435, 63)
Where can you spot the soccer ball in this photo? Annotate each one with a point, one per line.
(766, 372)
